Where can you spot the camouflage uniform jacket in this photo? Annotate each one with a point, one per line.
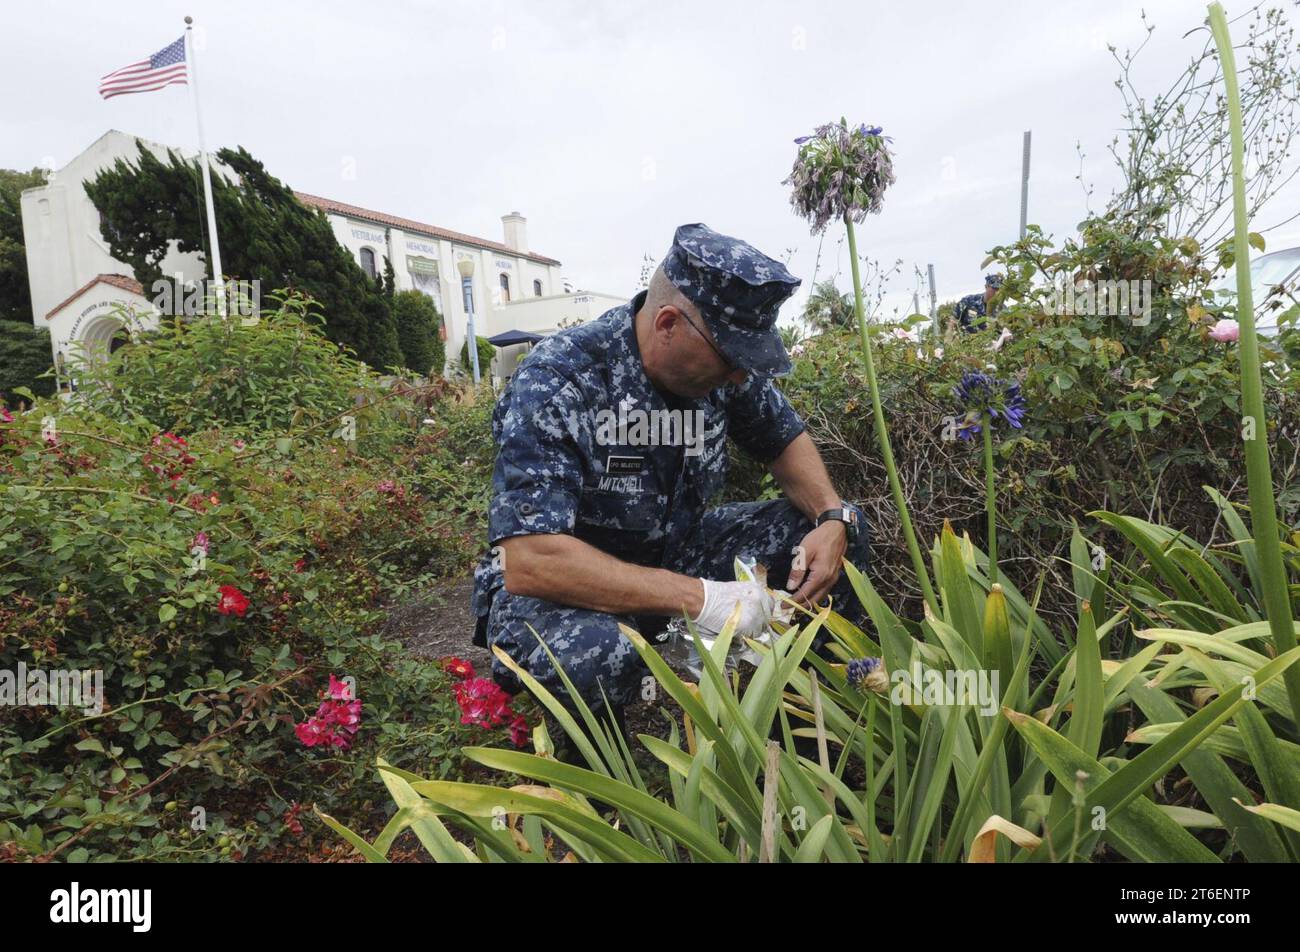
(572, 459)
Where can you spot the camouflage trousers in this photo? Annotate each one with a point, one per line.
(596, 656)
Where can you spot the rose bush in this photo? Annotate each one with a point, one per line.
(217, 572)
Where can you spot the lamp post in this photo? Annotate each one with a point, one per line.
(466, 268)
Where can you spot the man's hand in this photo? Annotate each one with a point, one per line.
(720, 600)
(820, 556)
(818, 561)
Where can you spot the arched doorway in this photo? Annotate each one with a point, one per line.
(118, 340)
(104, 335)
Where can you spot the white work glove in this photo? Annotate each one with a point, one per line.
(720, 600)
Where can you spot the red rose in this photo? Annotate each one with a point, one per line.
(335, 721)
(232, 601)
(482, 702)
(519, 731)
(458, 667)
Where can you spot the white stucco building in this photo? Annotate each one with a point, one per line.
(82, 293)
(514, 287)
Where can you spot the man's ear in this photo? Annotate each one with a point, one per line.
(667, 320)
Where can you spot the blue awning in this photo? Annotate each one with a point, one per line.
(508, 338)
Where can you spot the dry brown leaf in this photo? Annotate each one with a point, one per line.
(983, 848)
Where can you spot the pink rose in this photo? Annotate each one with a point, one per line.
(1225, 331)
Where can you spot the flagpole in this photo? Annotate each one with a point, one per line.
(217, 282)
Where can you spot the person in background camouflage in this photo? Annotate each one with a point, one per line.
(612, 439)
(973, 308)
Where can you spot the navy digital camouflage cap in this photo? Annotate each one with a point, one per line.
(739, 291)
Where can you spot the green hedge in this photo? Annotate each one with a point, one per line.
(24, 356)
(486, 354)
(418, 324)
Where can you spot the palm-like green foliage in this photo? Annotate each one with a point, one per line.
(827, 309)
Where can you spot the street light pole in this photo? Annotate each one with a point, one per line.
(466, 268)
(1024, 185)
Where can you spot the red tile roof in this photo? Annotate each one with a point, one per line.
(116, 280)
(407, 224)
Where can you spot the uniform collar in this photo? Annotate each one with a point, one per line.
(636, 386)
(627, 372)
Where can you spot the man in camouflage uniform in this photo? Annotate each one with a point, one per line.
(973, 308)
(612, 439)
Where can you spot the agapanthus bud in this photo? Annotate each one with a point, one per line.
(868, 673)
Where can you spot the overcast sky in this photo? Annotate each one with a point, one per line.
(608, 124)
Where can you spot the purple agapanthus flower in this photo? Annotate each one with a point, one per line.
(862, 130)
(840, 172)
(982, 393)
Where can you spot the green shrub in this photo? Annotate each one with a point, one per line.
(1133, 419)
(486, 354)
(454, 467)
(417, 331)
(277, 374)
(24, 357)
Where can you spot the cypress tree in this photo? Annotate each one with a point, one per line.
(267, 235)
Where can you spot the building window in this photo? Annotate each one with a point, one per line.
(537, 289)
(505, 289)
(368, 263)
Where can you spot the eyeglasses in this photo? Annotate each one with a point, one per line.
(721, 356)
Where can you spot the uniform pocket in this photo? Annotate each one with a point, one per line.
(627, 525)
(622, 508)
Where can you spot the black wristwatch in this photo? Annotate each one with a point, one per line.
(845, 514)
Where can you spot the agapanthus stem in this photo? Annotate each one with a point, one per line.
(882, 434)
(990, 496)
(1259, 476)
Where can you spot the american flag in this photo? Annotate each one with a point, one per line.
(164, 68)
